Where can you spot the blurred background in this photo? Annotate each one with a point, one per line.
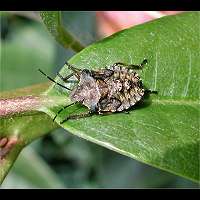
(60, 159)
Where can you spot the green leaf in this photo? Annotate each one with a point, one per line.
(53, 22)
(163, 132)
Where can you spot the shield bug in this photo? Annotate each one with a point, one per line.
(113, 89)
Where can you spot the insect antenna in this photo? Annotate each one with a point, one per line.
(53, 80)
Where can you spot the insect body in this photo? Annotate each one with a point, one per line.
(112, 89)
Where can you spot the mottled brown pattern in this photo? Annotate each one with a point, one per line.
(108, 90)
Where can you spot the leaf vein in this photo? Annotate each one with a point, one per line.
(156, 72)
(189, 77)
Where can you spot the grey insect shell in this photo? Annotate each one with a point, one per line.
(108, 90)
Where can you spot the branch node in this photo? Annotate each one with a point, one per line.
(6, 144)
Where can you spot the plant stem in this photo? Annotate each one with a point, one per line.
(17, 128)
(19, 104)
(16, 105)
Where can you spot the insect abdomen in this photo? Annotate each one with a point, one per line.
(126, 86)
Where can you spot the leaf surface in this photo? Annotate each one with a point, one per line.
(164, 130)
(53, 22)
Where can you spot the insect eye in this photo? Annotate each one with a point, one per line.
(85, 71)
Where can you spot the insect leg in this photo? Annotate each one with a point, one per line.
(65, 79)
(74, 69)
(140, 66)
(53, 80)
(103, 74)
(78, 116)
(132, 66)
(62, 110)
(150, 91)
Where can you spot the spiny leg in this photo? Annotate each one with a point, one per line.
(132, 66)
(78, 116)
(147, 91)
(140, 66)
(63, 109)
(53, 80)
(65, 79)
(102, 74)
(74, 69)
